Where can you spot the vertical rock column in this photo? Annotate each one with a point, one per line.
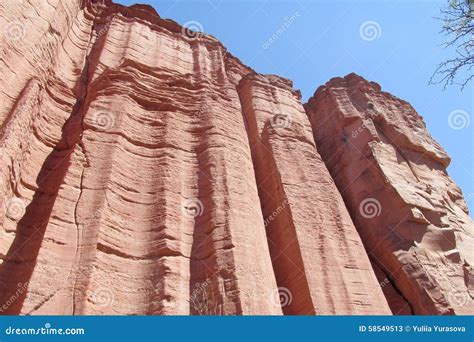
(392, 175)
(43, 61)
(130, 161)
(319, 260)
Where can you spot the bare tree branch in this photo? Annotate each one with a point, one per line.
(458, 27)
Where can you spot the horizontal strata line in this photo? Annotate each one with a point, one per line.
(113, 251)
(155, 146)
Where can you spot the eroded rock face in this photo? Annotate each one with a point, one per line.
(145, 170)
(392, 175)
(316, 252)
(131, 158)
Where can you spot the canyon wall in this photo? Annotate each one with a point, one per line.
(392, 175)
(146, 170)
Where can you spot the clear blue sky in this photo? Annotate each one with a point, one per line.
(322, 40)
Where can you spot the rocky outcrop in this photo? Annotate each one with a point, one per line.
(146, 170)
(316, 252)
(392, 175)
(130, 157)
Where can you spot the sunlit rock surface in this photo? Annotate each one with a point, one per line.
(392, 175)
(145, 170)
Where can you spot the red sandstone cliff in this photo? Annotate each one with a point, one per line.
(392, 175)
(145, 170)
